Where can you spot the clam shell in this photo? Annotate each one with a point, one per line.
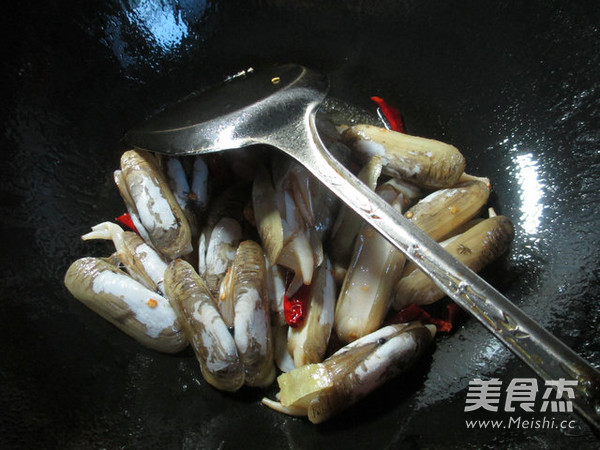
(141, 313)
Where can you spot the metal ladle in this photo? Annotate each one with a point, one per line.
(277, 107)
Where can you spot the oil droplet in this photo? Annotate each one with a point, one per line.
(275, 80)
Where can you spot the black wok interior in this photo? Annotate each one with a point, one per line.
(515, 85)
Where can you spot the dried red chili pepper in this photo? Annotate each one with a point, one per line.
(125, 220)
(453, 311)
(295, 308)
(410, 313)
(414, 312)
(391, 114)
(442, 326)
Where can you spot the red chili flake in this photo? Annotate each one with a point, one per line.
(152, 303)
(414, 312)
(125, 220)
(295, 308)
(391, 114)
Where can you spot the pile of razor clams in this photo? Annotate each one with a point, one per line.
(247, 258)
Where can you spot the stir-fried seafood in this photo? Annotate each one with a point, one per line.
(476, 248)
(307, 343)
(246, 289)
(149, 199)
(140, 260)
(424, 162)
(374, 269)
(204, 327)
(323, 389)
(143, 314)
(270, 272)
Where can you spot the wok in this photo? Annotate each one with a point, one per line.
(512, 84)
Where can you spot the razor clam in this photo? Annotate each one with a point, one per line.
(300, 185)
(154, 204)
(410, 192)
(308, 343)
(347, 223)
(247, 288)
(475, 248)
(316, 203)
(130, 205)
(282, 357)
(178, 182)
(199, 185)
(302, 250)
(208, 334)
(468, 177)
(141, 313)
(141, 261)
(381, 334)
(425, 162)
(224, 240)
(366, 292)
(276, 278)
(282, 230)
(324, 389)
(442, 211)
(220, 237)
(266, 214)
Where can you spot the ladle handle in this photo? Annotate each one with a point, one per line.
(540, 350)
